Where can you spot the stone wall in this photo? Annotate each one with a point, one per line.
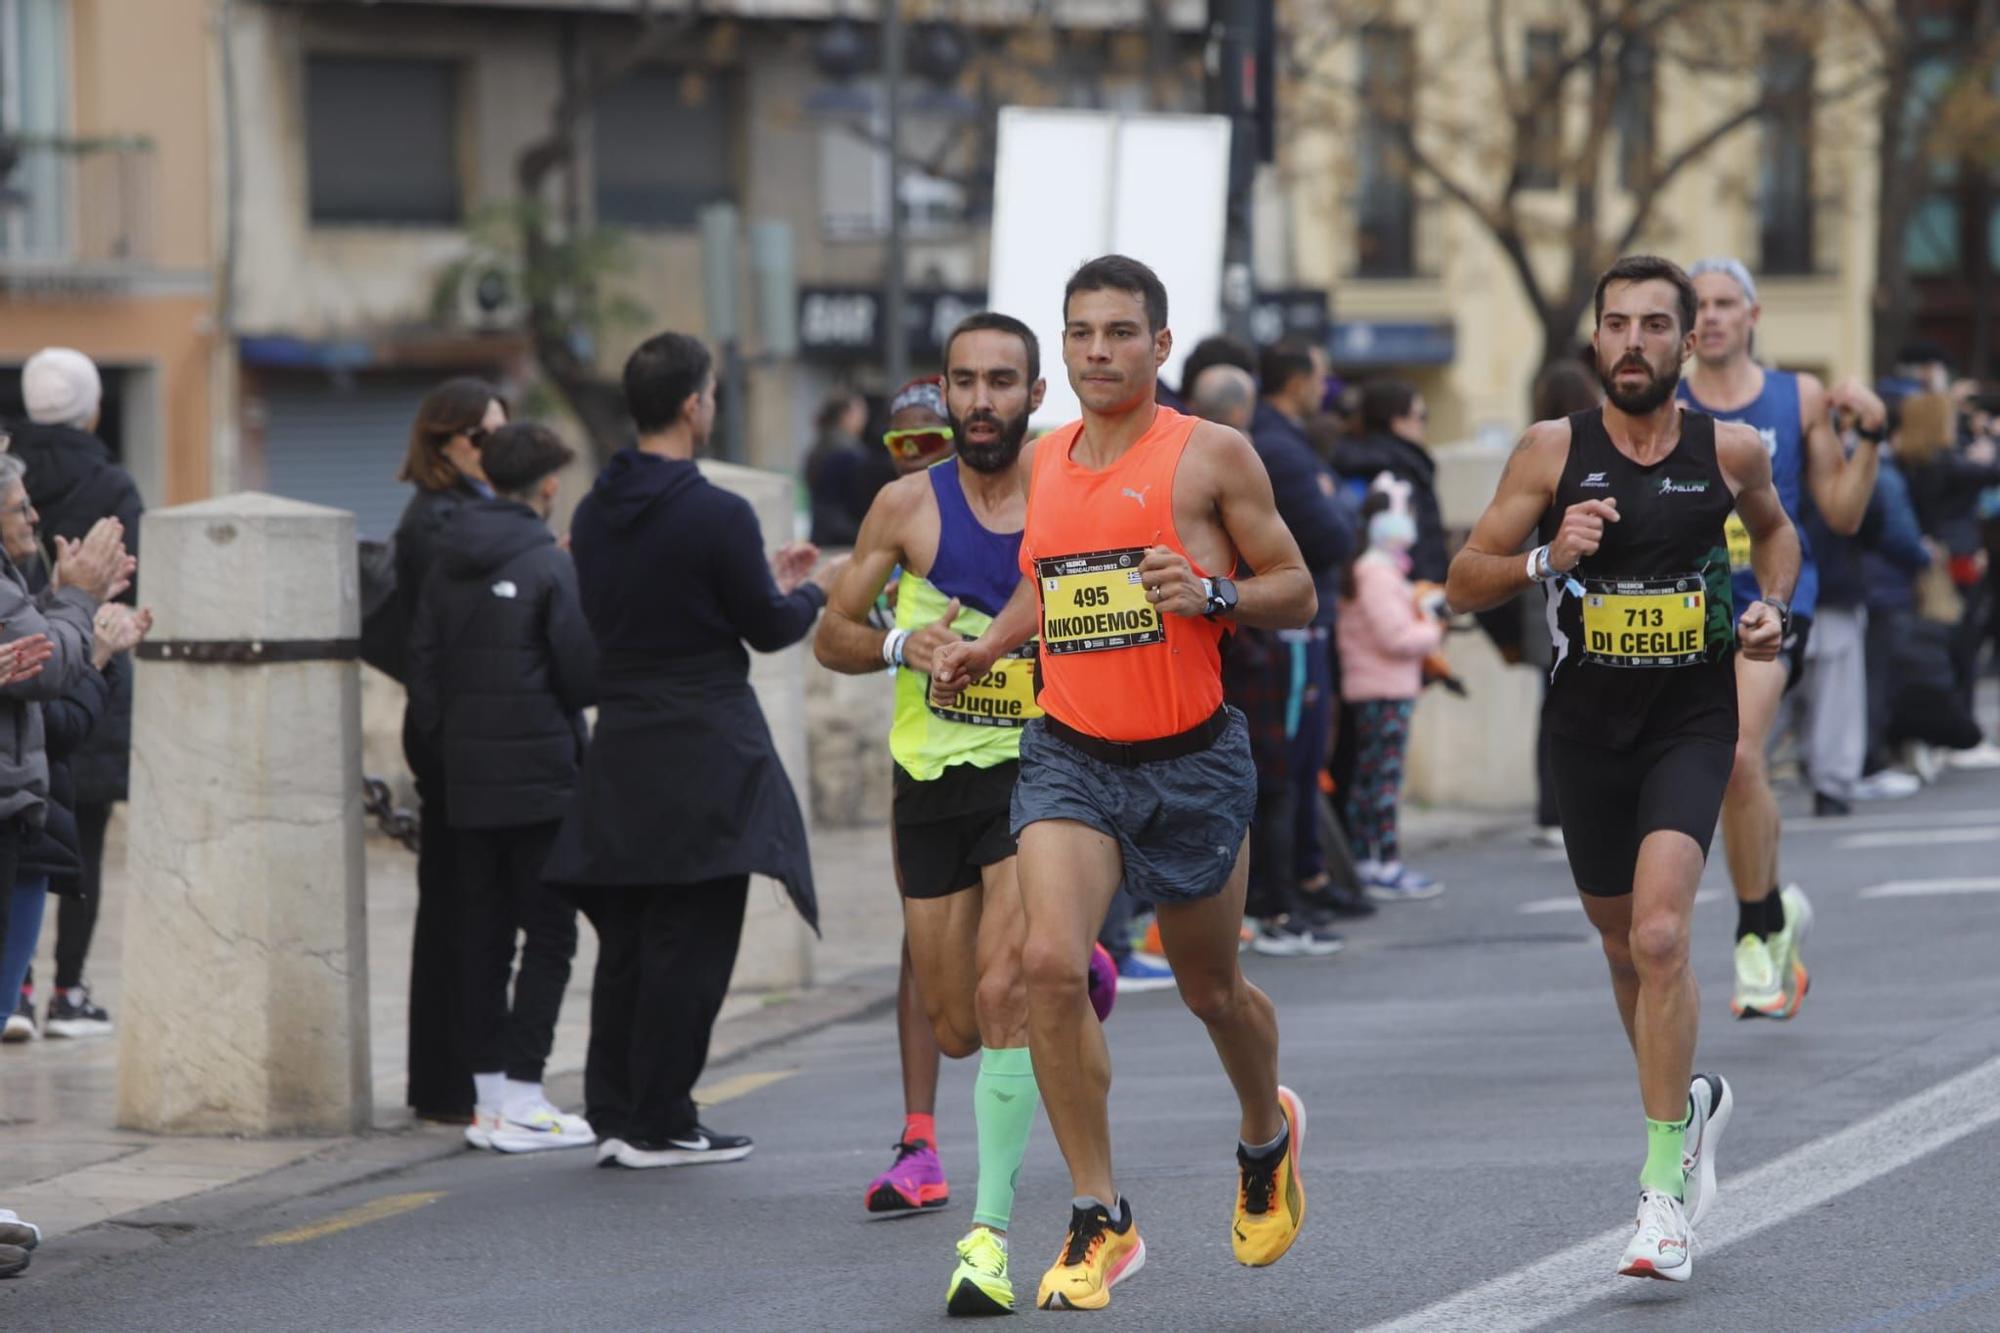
(847, 725)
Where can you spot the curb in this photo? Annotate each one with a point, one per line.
(390, 1151)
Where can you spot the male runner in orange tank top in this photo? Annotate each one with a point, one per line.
(1137, 516)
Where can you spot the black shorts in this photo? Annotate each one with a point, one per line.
(1179, 823)
(947, 830)
(1609, 800)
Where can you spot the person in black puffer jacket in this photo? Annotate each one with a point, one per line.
(443, 464)
(75, 481)
(501, 668)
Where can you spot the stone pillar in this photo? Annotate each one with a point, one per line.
(777, 945)
(245, 1005)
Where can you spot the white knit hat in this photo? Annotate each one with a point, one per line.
(61, 387)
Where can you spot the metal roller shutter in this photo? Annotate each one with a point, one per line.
(340, 443)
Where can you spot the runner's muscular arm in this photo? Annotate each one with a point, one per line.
(1841, 483)
(1490, 569)
(1279, 592)
(845, 641)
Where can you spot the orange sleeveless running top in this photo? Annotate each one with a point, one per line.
(1110, 667)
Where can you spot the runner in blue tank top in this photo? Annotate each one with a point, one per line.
(1793, 413)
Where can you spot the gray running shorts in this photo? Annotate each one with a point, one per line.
(1179, 822)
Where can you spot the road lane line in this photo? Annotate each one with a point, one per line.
(1570, 902)
(1550, 1289)
(1918, 838)
(1891, 819)
(390, 1205)
(1925, 888)
(742, 1085)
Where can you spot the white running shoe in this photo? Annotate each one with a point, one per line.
(1891, 784)
(528, 1126)
(1981, 756)
(608, 1150)
(1662, 1246)
(1712, 1101)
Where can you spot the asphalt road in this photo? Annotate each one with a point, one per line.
(1475, 1141)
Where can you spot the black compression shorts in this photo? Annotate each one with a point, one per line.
(1611, 799)
(950, 828)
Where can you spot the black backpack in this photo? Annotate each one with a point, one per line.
(384, 618)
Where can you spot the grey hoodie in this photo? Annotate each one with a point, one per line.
(65, 616)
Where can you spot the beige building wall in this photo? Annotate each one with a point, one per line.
(1817, 322)
(137, 70)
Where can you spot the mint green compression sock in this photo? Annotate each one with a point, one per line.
(1004, 1097)
(1662, 1173)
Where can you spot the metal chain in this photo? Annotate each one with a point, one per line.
(378, 804)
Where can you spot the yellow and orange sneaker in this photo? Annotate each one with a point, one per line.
(1100, 1253)
(1270, 1196)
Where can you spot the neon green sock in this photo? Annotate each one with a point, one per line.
(1662, 1173)
(1003, 1107)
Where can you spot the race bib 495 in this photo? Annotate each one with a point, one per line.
(1094, 602)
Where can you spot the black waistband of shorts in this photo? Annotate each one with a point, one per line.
(1130, 754)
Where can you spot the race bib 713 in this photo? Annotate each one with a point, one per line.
(1645, 622)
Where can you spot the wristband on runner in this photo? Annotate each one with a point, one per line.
(892, 647)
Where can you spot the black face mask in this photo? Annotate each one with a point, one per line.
(1649, 399)
(998, 455)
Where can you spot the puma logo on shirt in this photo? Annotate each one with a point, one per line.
(1139, 495)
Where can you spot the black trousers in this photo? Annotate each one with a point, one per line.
(76, 913)
(440, 1079)
(664, 957)
(502, 896)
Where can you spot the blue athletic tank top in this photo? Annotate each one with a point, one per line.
(1775, 415)
(979, 567)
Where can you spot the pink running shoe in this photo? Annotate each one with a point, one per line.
(915, 1183)
(1103, 981)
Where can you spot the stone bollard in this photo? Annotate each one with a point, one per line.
(777, 946)
(245, 1004)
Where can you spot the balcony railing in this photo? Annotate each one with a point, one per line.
(84, 203)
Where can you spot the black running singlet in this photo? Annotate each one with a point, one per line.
(1645, 629)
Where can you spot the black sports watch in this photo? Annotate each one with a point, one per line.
(1784, 610)
(1221, 597)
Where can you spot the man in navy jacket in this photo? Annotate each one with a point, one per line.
(1293, 383)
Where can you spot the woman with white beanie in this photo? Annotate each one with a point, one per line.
(75, 481)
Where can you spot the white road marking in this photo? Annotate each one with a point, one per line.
(1547, 1291)
(1925, 888)
(1574, 903)
(1918, 838)
(1897, 819)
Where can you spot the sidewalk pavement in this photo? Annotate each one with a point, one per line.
(66, 1166)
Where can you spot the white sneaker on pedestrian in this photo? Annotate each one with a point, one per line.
(1984, 755)
(1891, 784)
(1662, 1244)
(1926, 763)
(1711, 1102)
(608, 1150)
(528, 1126)
(20, 1024)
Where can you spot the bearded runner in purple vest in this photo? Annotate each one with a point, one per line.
(1793, 414)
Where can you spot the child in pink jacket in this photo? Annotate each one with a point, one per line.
(1384, 637)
